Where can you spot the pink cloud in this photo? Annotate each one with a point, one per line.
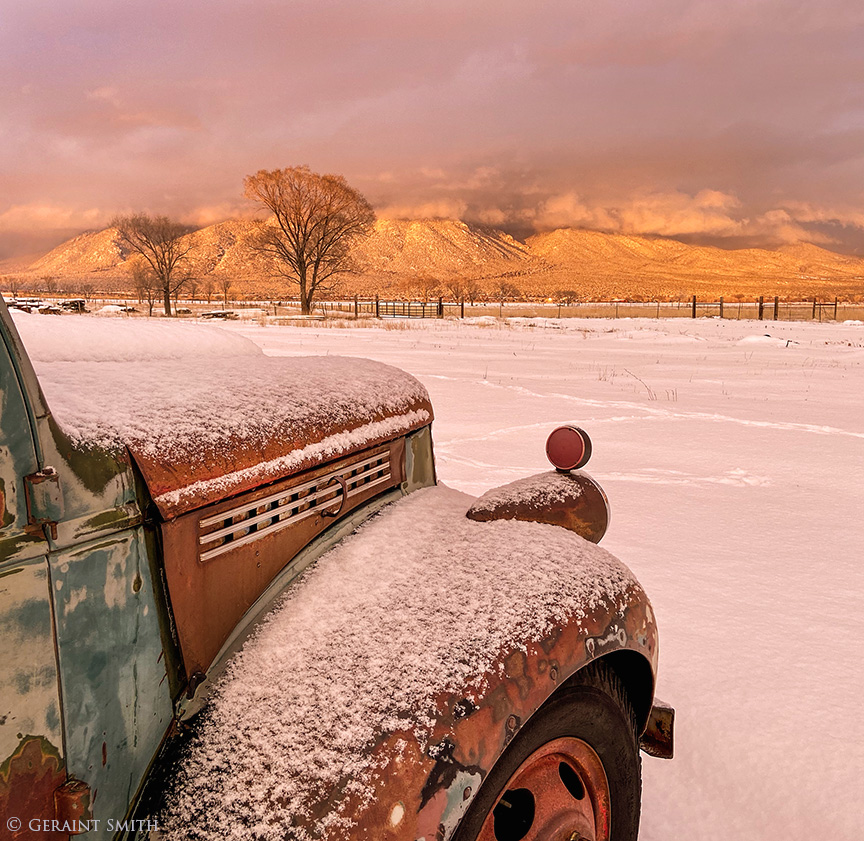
(689, 118)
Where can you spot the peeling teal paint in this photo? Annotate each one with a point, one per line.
(29, 700)
(112, 666)
(25, 618)
(36, 677)
(52, 716)
(457, 802)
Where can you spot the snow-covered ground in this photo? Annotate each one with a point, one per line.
(733, 461)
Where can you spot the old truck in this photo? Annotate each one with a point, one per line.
(233, 601)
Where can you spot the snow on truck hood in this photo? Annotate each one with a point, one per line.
(203, 411)
(419, 601)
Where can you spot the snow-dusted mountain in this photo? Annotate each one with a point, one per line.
(405, 257)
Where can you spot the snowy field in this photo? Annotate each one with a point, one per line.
(733, 462)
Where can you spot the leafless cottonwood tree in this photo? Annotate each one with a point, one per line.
(566, 296)
(162, 243)
(225, 287)
(12, 285)
(317, 218)
(471, 290)
(427, 286)
(456, 289)
(505, 289)
(147, 285)
(208, 287)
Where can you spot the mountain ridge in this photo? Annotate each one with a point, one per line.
(404, 257)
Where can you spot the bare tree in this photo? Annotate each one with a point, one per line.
(427, 286)
(505, 289)
(566, 296)
(317, 217)
(471, 290)
(11, 284)
(162, 243)
(456, 288)
(224, 284)
(178, 288)
(208, 288)
(147, 285)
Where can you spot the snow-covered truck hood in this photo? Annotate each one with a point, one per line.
(377, 695)
(204, 412)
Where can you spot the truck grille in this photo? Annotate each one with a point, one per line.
(325, 495)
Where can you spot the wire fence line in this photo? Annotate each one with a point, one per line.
(762, 309)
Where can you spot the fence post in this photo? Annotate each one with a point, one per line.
(693, 314)
(813, 316)
(440, 307)
(835, 309)
(721, 306)
(356, 308)
(377, 308)
(462, 308)
(761, 306)
(776, 306)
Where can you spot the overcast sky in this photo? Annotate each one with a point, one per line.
(724, 121)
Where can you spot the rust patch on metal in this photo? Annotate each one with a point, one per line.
(28, 780)
(220, 559)
(659, 736)
(428, 779)
(72, 806)
(44, 501)
(572, 500)
(235, 461)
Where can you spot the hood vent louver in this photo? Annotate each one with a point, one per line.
(325, 496)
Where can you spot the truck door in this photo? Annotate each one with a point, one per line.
(32, 763)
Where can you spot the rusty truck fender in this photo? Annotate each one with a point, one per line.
(423, 788)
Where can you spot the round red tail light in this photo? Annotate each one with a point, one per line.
(568, 448)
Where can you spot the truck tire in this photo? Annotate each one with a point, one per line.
(572, 773)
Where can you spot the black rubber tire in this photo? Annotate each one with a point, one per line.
(591, 706)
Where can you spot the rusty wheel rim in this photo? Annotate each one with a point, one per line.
(559, 793)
